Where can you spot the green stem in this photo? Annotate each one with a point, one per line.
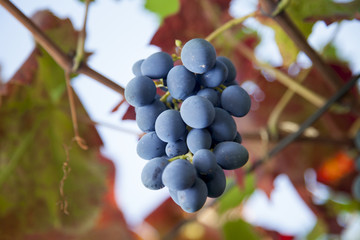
(284, 79)
(280, 106)
(80, 51)
(228, 25)
(187, 156)
(280, 7)
(165, 96)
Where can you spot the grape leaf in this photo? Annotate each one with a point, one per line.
(326, 10)
(163, 8)
(36, 147)
(236, 195)
(191, 21)
(234, 229)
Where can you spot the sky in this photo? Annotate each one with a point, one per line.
(119, 33)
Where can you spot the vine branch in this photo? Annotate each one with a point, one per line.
(55, 52)
(233, 22)
(80, 51)
(284, 21)
(307, 123)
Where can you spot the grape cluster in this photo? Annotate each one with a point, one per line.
(191, 136)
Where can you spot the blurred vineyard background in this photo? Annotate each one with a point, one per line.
(291, 57)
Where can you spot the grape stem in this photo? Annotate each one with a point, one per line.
(280, 106)
(307, 123)
(55, 52)
(188, 156)
(228, 25)
(165, 96)
(80, 51)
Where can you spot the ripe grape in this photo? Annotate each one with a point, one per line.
(236, 101)
(197, 112)
(215, 76)
(204, 161)
(216, 182)
(210, 94)
(193, 199)
(150, 146)
(238, 138)
(173, 195)
(223, 127)
(180, 82)
(136, 68)
(140, 91)
(198, 55)
(157, 65)
(169, 126)
(151, 175)
(146, 115)
(231, 155)
(179, 174)
(198, 139)
(177, 148)
(231, 69)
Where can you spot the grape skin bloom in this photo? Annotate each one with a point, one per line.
(151, 175)
(169, 126)
(197, 112)
(198, 55)
(140, 91)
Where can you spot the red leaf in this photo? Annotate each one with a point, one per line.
(192, 21)
(129, 114)
(335, 168)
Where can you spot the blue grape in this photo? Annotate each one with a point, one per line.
(210, 94)
(179, 174)
(231, 155)
(169, 126)
(236, 101)
(198, 139)
(197, 112)
(180, 82)
(223, 127)
(355, 188)
(177, 148)
(151, 175)
(215, 76)
(231, 69)
(216, 182)
(157, 65)
(140, 91)
(150, 146)
(198, 55)
(193, 199)
(238, 138)
(146, 115)
(173, 195)
(136, 68)
(204, 161)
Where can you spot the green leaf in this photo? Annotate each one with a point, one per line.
(36, 139)
(163, 8)
(326, 10)
(239, 229)
(318, 231)
(234, 195)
